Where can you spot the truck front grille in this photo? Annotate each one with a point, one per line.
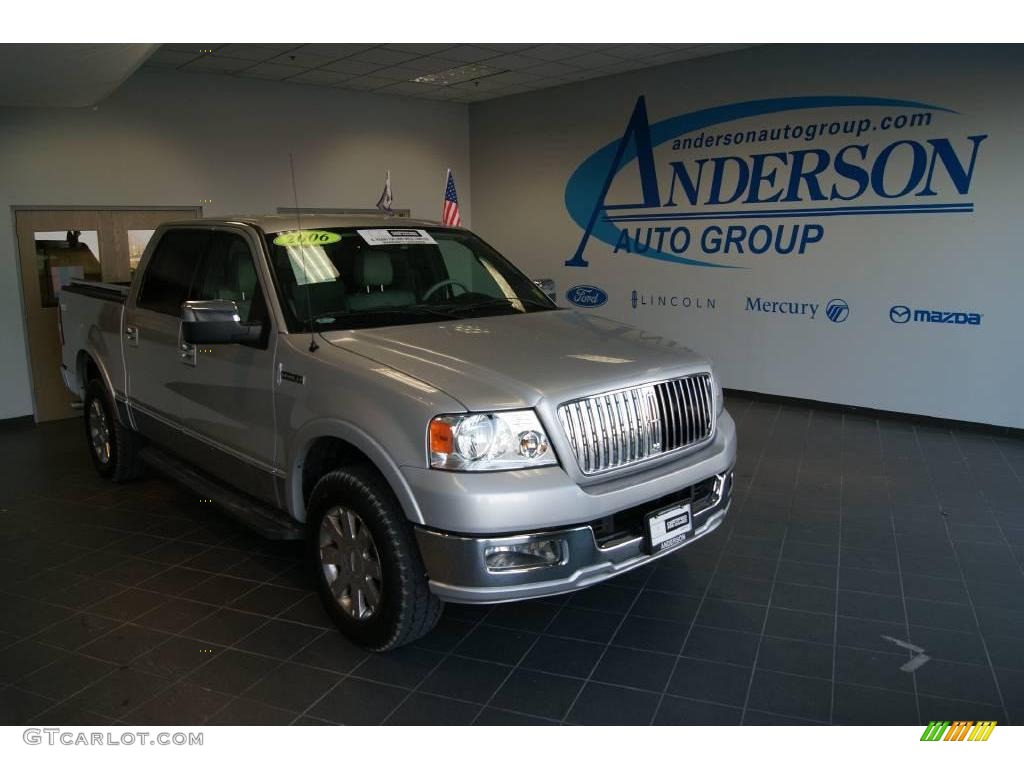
(616, 429)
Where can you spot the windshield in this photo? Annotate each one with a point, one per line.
(338, 279)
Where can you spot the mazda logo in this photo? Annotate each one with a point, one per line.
(837, 310)
(899, 314)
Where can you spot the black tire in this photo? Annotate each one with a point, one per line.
(121, 461)
(407, 609)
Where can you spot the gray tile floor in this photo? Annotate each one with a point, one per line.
(852, 542)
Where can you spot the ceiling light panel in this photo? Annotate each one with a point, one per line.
(460, 74)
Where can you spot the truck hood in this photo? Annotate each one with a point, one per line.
(514, 361)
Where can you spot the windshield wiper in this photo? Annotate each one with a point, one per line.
(343, 317)
(500, 301)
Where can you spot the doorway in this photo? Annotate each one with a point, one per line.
(57, 245)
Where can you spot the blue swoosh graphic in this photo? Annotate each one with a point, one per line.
(584, 185)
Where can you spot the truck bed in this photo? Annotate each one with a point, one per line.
(106, 291)
(91, 316)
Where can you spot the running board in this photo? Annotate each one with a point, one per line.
(268, 522)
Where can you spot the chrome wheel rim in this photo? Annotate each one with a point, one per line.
(350, 563)
(99, 431)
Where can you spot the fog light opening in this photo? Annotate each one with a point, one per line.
(518, 557)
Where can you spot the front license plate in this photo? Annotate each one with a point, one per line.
(668, 527)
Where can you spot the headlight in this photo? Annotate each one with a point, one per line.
(488, 441)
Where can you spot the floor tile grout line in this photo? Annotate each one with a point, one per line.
(232, 646)
(77, 651)
(234, 697)
(255, 584)
(879, 689)
(167, 596)
(350, 674)
(707, 587)
(448, 654)
(128, 665)
(325, 630)
(519, 660)
(974, 610)
(899, 576)
(998, 524)
(839, 566)
(991, 525)
(775, 576)
(760, 639)
(604, 652)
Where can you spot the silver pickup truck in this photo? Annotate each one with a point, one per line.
(402, 397)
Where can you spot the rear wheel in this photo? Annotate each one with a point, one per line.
(114, 448)
(366, 564)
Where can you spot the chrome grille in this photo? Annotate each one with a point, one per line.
(616, 429)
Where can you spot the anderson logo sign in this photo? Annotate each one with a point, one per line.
(716, 173)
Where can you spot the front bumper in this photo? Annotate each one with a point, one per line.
(593, 552)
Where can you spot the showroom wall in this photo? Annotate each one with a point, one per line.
(835, 223)
(167, 138)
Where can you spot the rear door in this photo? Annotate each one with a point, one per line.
(153, 352)
(226, 392)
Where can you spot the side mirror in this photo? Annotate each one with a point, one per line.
(216, 322)
(547, 285)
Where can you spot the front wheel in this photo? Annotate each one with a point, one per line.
(367, 567)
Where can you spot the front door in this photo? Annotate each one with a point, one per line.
(154, 356)
(227, 390)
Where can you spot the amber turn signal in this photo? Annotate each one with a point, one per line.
(441, 440)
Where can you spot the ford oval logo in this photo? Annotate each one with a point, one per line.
(586, 296)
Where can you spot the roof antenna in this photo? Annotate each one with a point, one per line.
(313, 346)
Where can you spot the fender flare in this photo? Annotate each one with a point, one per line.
(90, 353)
(359, 438)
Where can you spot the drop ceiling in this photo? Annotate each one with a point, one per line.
(446, 71)
(65, 75)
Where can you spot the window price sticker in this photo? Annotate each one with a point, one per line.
(396, 236)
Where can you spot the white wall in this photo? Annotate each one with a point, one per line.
(525, 149)
(176, 139)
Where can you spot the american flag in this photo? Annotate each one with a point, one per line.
(450, 210)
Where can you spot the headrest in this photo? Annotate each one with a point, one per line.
(375, 270)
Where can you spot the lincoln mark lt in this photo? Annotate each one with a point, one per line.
(399, 396)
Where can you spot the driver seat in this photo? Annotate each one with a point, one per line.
(374, 276)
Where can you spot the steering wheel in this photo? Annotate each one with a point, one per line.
(437, 286)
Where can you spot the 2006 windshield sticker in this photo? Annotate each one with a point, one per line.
(395, 236)
(307, 237)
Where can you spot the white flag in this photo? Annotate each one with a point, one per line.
(384, 203)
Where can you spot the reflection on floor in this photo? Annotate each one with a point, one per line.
(853, 546)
